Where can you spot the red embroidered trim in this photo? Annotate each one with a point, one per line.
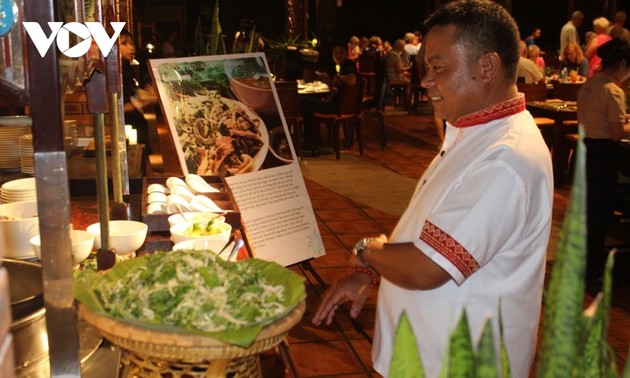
(449, 248)
(497, 111)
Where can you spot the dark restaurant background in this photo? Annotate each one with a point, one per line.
(388, 19)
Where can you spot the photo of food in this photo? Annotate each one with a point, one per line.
(220, 110)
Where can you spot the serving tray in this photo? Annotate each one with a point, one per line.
(223, 199)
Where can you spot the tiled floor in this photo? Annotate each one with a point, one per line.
(340, 350)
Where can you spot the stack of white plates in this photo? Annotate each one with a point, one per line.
(11, 128)
(27, 163)
(18, 190)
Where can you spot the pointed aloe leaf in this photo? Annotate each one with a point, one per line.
(505, 359)
(564, 296)
(626, 369)
(406, 361)
(461, 356)
(485, 361)
(596, 356)
(588, 357)
(217, 44)
(200, 45)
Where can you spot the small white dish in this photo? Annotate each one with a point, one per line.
(204, 204)
(125, 236)
(156, 197)
(171, 182)
(183, 192)
(82, 244)
(199, 185)
(212, 245)
(194, 217)
(175, 204)
(179, 233)
(157, 208)
(157, 188)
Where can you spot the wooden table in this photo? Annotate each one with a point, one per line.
(560, 112)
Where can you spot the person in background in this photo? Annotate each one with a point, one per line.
(397, 71)
(387, 47)
(569, 32)
(527, 69)
(347, 76)
(354, 49)
(531, 39)
(168, 46)
(617, 29)
(475, 233)
(572, 58)
(411, 48)
(602, 112)
(134, 98)
(600, 27)
(247, 39)
(533, 53)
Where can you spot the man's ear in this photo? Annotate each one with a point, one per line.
(489, 66)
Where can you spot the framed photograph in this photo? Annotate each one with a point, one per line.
(223, 113)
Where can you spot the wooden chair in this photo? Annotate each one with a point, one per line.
(290, 102)
(538, 92)
(417, 91)
(349, 114)
(376, 106)
(367, 71)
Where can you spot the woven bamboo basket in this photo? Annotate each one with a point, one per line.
(151, 353)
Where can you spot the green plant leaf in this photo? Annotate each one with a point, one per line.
(626, 369)
(217, 44)
(564, 296)
(461, 358)
(200, 45)
(597, 357)
(485, 361)
(505, 359)
(406, 361)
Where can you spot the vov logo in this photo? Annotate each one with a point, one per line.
(86, 33)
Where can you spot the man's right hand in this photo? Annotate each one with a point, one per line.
(355, 288)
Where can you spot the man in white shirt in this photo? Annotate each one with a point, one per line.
(475, 232)
(569, 32)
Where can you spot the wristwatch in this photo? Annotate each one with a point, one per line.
(359, 248)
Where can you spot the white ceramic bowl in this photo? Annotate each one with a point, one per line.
(256, 97)
(21, 225)
(178, 233)
(213, 245)
(193, 216)
(82, 244)
(125, 236)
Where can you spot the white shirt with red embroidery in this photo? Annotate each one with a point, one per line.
(482, 212)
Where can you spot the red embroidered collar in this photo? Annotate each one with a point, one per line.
(504, 109)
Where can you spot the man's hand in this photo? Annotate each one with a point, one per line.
(355, 288)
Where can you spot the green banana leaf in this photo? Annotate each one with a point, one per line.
(485, 361)
(87, 283)
(406, 361)
(564, 296)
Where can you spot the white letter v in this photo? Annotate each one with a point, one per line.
(41, 42)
